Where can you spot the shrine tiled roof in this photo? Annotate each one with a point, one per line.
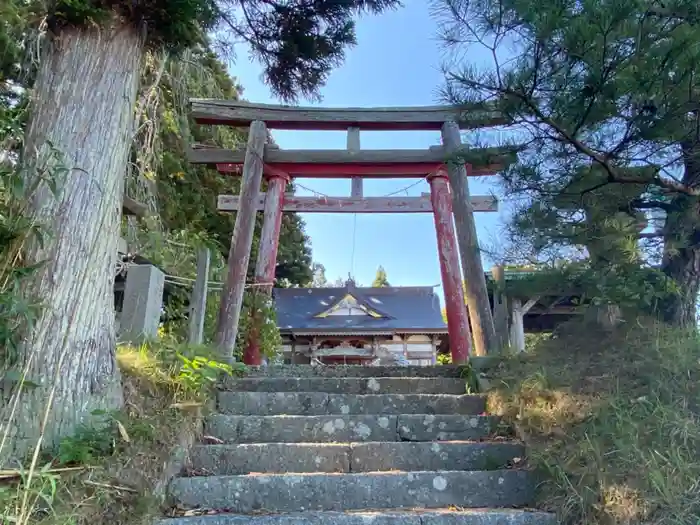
(395, 309)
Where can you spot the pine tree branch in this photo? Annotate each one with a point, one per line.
(613, 174)
(689, 18)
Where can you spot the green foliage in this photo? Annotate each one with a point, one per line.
(187, 193)
(89, 444)
(444, 359)
(94, 477)
(612, 427)
(533, 341)
(41, 487)
(77, 13)
(259, 321)
(294, 252)
(199, 372)
(300, 42)
(380, 279)
(605, 93)
(173, 24)
(19, 307)
(471, 378)
(11, 26)
(106, 435)
(186, 371)
(634, 288)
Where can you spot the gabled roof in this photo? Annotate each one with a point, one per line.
(402, 309)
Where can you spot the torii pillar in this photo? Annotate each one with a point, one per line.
(267, 258)
(455, 305)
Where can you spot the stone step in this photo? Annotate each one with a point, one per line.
(348, 385)
(325, 429)
(356, 371)
(365, 491)
(444, 517)
(224, 460)
(319, 403)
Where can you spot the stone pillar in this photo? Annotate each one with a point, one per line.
(267, 260)
(457, 320)
(143, 301)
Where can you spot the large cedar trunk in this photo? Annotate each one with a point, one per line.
(83, 106)
(681, 261)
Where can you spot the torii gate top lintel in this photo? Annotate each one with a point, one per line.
(350, 162)
(237, 113)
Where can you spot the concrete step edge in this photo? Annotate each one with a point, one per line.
(279, 493)
(420, 517)
(238, 459)
(355, 371)
(349, 428)
(319, 403)
(352, 444)
(347, 385)
(369, 396)
(392, 473)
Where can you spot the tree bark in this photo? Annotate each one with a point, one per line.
(80, 129)
(681, 260)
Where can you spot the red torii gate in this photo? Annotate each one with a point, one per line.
(279, 166)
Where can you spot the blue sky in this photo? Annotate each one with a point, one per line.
(396, 63)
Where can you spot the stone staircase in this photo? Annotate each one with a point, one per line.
(353, 446)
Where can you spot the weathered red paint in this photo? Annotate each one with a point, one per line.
(267, 257)
(339, 171)
(457, 319)
(272, 223)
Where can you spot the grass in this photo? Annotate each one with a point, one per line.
(115, 471)
(612, 421)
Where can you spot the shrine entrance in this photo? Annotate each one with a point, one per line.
(446, 169)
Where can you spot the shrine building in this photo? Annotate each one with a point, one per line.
(356, 326)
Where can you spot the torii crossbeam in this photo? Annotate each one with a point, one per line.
(323, 204)
(364, 163)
